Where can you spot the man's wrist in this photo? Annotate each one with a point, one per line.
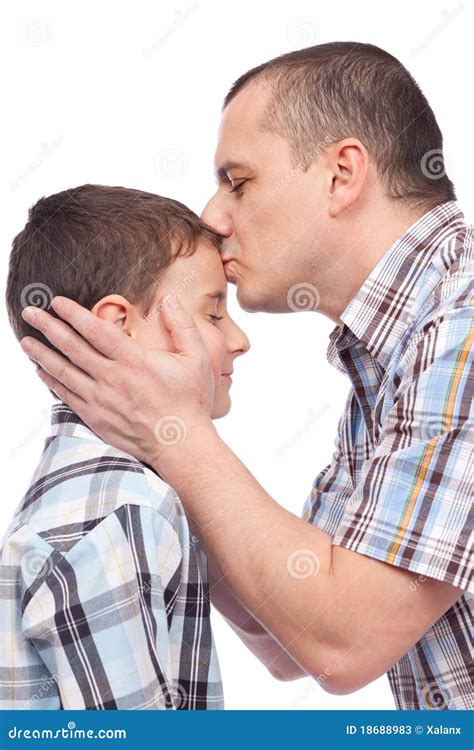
(177, 450)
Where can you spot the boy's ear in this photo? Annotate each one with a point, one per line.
(117, 310)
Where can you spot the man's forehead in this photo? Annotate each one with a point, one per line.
(239, 129)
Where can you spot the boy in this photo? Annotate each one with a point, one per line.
(105, 601)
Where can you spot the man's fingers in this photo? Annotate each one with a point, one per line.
(58, 333)
(181, 327)
(68, 397)
(104, 336)
(58, 366)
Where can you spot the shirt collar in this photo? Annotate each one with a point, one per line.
(394, 291)
(66, 422)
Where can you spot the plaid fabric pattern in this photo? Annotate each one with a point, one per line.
(104, 600)
(399, 487)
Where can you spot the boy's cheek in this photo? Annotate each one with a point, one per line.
(153, 334)
(216, 348)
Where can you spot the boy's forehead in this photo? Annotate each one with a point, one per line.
(197, 275)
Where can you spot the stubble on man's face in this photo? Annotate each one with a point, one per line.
(270, 206)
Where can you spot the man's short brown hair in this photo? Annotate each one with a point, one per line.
(94, 240)
(322, 94)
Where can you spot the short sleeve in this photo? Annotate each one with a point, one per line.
(100, 618)
(333, 487)
(413, 504)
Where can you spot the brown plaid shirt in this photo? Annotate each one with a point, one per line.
(399, 486)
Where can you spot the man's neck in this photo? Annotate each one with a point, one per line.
(370, 238)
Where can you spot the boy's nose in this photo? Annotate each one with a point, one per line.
(240, 345)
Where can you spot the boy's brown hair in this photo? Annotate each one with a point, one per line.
(94, 240)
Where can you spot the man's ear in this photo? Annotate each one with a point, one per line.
(117, 310)
(349, 163)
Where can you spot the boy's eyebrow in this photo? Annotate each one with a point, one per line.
(215, 295)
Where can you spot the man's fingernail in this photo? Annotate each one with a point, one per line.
(29, 313)
(26, 345)
(57, 302)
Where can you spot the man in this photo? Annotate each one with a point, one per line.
(330, 181)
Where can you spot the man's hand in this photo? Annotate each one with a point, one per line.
(142, 402)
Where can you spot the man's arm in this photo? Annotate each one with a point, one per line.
(251, 633)
(338, 613)
(344, 617)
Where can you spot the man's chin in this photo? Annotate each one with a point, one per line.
(246, 301)
(250, 302)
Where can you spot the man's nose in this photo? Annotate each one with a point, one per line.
(216, 218)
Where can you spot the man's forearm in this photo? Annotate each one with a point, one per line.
(345, 617)
(228, 605)
(251, 633)
(259, 546)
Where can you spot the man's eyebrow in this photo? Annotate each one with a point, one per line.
(221, 172)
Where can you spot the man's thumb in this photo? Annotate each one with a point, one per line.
(181, 327)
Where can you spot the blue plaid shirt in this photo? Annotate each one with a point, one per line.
(104, 600)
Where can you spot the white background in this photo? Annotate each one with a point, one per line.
(130, 94)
